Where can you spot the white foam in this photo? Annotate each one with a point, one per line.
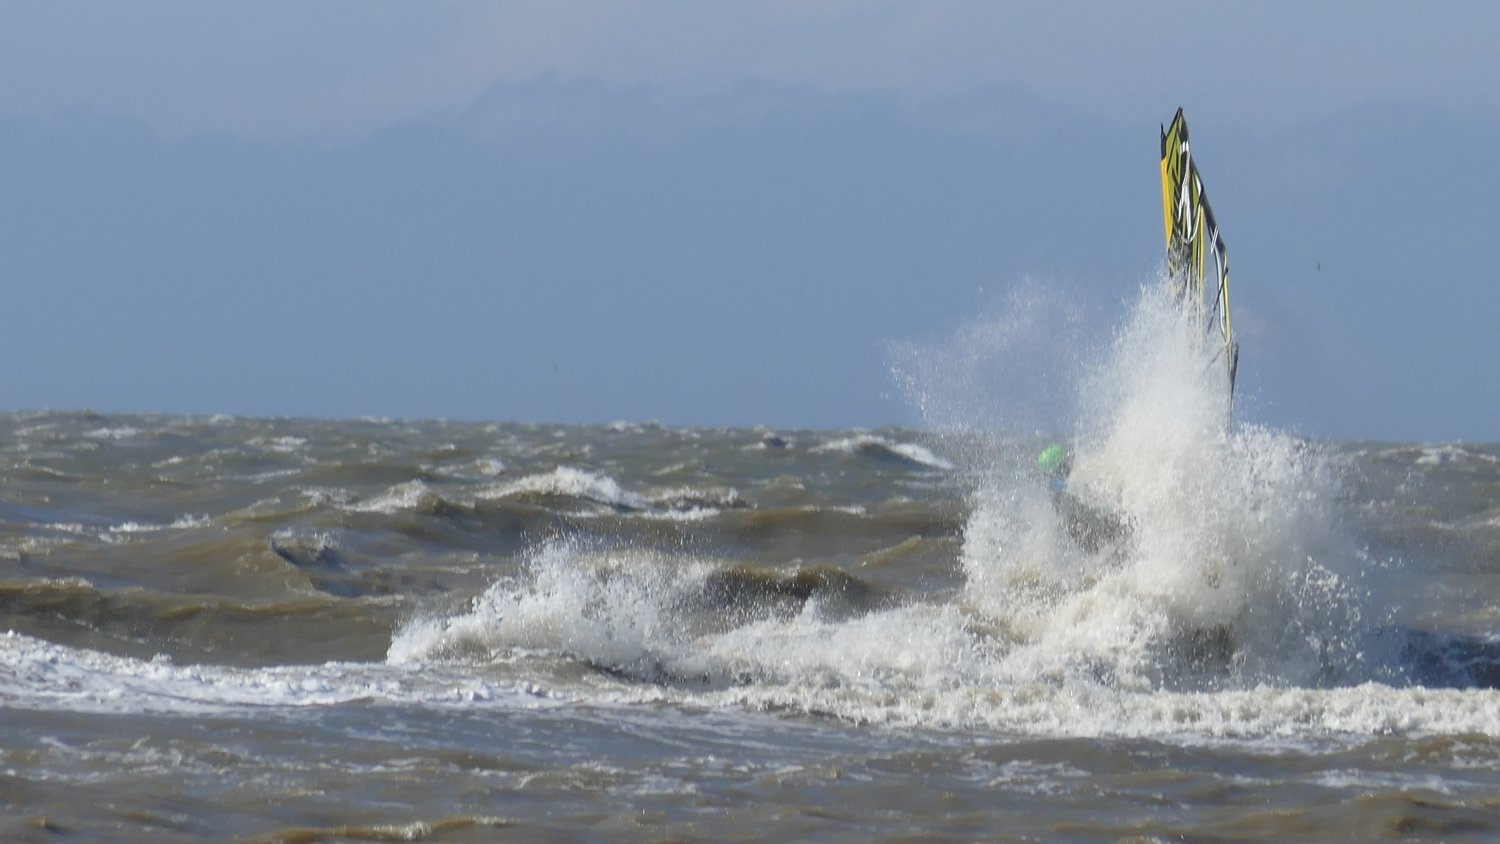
(1231, 530)
(1440, 455)
(678, 503)
(490, 467)
(318, 496)
(270, 474)
(122, 432)
(923, 665)
(186, 522)
(1234, 550)
(690, 503)
(575, 483)
(1386, 781)
(412, 495)
(1298, 717)
(280, 445)
(871, 443)
(611, 608)
(40, 675)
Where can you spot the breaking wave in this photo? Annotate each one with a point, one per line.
(700, 632)
(36, 674)
(1231, 556)
(880, 447)
(1230, 604)
(566, 483)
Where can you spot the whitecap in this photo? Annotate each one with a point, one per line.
(574, 483)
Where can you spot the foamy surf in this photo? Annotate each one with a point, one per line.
(918, 665)
(39, 675)
(1236, 607)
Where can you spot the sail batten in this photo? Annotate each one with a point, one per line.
(1192, 233)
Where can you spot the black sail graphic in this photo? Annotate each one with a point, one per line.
(1192, 235)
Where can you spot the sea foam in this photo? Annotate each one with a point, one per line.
(1233, 607)
(40, 675)
(1231, 553)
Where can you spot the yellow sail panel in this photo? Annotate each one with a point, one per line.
(1191, 233)
(1182, 208)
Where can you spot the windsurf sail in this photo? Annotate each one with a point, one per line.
(1193, 234)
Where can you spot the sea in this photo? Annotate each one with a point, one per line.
(304, 630)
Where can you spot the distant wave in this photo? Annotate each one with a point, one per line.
(880, 447)
(75, 613)
(1437, 455)
(566, 482)
(412, 496)
(123, 432)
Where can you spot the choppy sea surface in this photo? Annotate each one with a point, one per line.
(297, 630)
(370, 630)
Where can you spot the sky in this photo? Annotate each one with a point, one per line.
(726, 213)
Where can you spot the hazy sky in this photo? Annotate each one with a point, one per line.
(272, 68)
(368, 207)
